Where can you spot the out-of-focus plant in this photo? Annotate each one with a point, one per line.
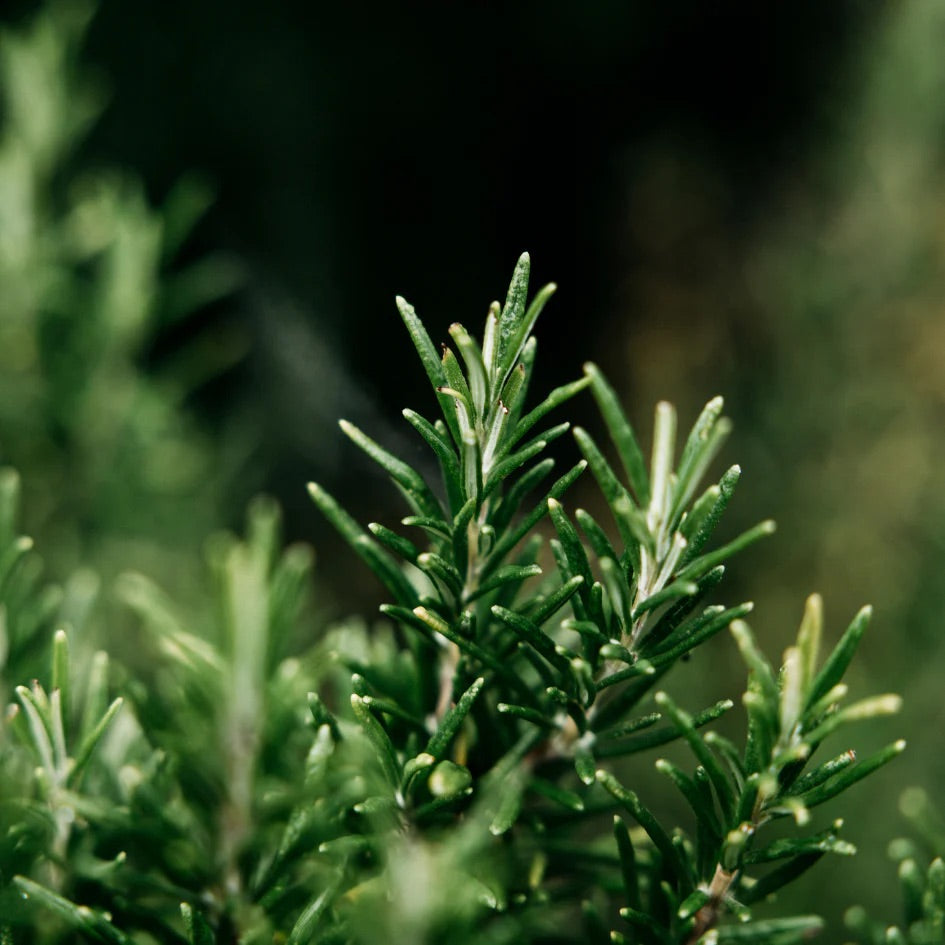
(88, 282)
(112, 814)
(922, 888)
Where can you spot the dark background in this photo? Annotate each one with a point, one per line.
(366, 149)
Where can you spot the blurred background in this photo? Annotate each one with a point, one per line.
(206, 210)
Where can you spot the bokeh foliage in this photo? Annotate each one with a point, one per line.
(88, 284)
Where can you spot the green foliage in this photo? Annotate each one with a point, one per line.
(451, 774)
(463, 771)
(90, 278)
(556, 675)
(922, 889)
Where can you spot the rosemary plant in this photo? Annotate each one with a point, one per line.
(922, 888)
(91, 279)
(464, 771)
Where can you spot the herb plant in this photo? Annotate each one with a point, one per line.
(92, 279)
(463, 771)
(922, 887)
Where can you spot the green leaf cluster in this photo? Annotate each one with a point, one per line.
(464, 770)
(550, 683)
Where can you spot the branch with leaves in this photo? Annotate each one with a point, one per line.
(542, 685)
(452, 773)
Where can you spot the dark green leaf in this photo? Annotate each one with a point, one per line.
(304, 929)
(438, 567)
(323, 715)
(475, 368)
(89, 743)
(596, 535)
(677, 622)
(823, 773)
(396, 543)
(653, 739)
(525, 326)
(710, 622)
(669, 593)
(647, 821)
(511, 573)
(545, 608)
(456, 381)
(628, 862)
(512, 463)
(698, 537)
(578, 564)
(383, 748)
(445, 453)
(584, 762)
(621, 505)
(697, 802)
(704, 442)
(646, 924)
(628, 448)
(83, 919)
(849, 776)
(533, 635)
(430, 360)
(778, 878)
(528, 715)
(836, 664)
(826, 842)
(61, 675)
(724, 789)
(513, 313)
(448, 728)
(198, 932)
